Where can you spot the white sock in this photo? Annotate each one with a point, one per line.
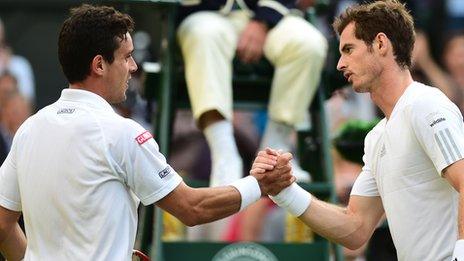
(226, 164)
(279, 136)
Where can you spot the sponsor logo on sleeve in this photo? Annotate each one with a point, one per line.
(436, 121)
(166, 171)
(65, 111)
(142, 138)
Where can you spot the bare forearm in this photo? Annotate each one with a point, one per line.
(351, 226)
(13, 245)
(335, 223)
(461, 215)
(215, 203)
(195, 206)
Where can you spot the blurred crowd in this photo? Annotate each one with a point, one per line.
(438, 59)
(16, 92)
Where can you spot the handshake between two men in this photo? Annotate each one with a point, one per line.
(273, 171)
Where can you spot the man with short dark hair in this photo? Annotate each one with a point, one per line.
(78, 171)
(413, 158)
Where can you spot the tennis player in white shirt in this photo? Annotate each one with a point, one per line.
(413, 162)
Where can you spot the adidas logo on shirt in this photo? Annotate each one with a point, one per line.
(435, 122)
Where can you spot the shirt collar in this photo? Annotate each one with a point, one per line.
(82, 96)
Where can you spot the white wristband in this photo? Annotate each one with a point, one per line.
(458, 253)
(249, 190)
(294, 199)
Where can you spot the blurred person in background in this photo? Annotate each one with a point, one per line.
(344, 105)
(453, 59)
(17, 66)
(211, 34)
(14, 111)
(449, 79)
(8, 86)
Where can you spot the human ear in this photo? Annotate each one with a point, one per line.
(98, 65)
(382, 43)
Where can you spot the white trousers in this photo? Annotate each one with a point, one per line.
(296, 49)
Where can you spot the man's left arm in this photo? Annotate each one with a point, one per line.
(455, 176)
(12, 238)
(439, 127)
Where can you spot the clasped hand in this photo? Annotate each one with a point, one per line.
(273, 171)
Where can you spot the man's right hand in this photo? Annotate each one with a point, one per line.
(251, 42)
(273, 171)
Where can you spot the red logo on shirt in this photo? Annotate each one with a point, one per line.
(142, 138)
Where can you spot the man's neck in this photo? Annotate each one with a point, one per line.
(390, 86)
(88, 85)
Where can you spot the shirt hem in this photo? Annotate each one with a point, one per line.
(163, 192)
(8, 204)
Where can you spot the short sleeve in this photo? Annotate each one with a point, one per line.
(365, 184)
(143, 168)
(439, 127)
(9, 189)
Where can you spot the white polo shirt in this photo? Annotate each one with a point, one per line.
(404, 158)
(78, 170)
